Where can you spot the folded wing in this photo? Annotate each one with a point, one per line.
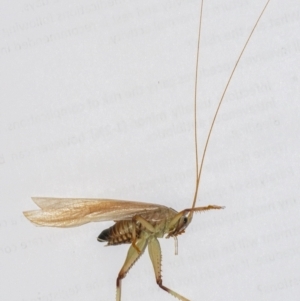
(70, 212)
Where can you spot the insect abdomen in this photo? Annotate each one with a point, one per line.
(119, 233)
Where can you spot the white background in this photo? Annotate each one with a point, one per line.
(97, 101)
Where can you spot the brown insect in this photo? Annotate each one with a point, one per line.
(136, 223)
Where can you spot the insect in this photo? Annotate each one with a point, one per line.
(136, 223)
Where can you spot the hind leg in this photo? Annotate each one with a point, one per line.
(132, 256)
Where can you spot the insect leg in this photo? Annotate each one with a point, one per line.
(132, 256)
(155, 255)
(145, 224)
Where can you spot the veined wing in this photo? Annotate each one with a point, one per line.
(69, 212)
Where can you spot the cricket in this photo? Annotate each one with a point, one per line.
(137, 224)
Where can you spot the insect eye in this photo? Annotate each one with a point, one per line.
(185, 219)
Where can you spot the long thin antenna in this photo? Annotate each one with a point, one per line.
(195, 93)
(199, 172)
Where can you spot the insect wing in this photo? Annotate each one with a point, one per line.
(69, 212)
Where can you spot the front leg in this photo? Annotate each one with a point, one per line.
(155, 255)
(132, 256)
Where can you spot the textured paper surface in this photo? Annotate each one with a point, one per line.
(97, 101)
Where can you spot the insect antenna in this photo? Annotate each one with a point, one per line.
(200, 167)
